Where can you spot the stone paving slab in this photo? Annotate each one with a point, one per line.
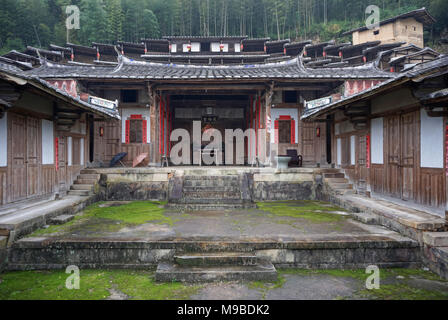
(436, 239)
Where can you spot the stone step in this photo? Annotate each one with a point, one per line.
(86, 181)
(214, 188)
(336, 180)
(87, 187)
(212, 194)
(62, 219)
(347, 186)
(89, 176)
(219, 201)
(211, 183)
(79, 193)
(205, 178)
(209, 207)
(217, 259)
(168, 272)
(89, 171)
(334, 175)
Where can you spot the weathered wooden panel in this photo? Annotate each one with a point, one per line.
(18, 183)
(407, 162)
(48, 180)
(62, 163)
(33, 147)
(432, 187)
(393, 172)
(377, 178)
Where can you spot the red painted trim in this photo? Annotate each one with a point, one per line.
(136, 117)
(145, 131)
(285, 118)
(128, 132)
(163, 127)
(251, 125)
(293, 131)
(276, 126)
(56, 153)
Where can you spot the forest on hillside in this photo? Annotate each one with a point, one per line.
(41, 22)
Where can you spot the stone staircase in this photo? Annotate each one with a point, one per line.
(216, 266)
(85, 183)
(221, 192)
(336, 181)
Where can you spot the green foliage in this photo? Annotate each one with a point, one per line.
(40, 22)
(94, 285)
(100, 217)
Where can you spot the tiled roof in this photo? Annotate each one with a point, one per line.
(292, 69)
(420, 70)
(7, 69)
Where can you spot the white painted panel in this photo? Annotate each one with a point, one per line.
(185, 47)
(126, 114)
(174, 48)
(237, 47)
(4, 141)
(353, 150)
(376, 140)
(339, 152)
(47, 142)
(275, 115)
(81, 153)
(69, 151)
(431, 137)
(195, 47)
(214, 47)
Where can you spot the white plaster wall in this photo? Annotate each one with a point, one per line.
(237, 47)
(47, 142)
(195, 47)
(81, 153)
(431, 140)
(126, 113)
(4, 141)
(215, 47)
(276, 113)
(338, 151)
(376, 141)
(174, 48)
(70, 151)
(352, 150)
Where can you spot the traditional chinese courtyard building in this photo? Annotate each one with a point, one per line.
(300, 93)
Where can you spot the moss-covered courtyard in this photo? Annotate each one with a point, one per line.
(151, 219)
(396, 284)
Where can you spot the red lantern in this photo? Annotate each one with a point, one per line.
(221, 47)
(242, 47)
(364, 59)
(101, 131)
(189, 47)
(324, 54)
(340, 54)
(318, 132)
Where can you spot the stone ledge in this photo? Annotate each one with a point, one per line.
(436, 239)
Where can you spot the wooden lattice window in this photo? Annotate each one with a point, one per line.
(136, 129)
(285, 130)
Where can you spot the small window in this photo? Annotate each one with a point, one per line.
(290, 96)
(136, 131)
(415, 29)
(376, 32)
(129, 96)
(205, 47)
(284, 131)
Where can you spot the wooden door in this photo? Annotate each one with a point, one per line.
(62, 163)
(32, 156)
(107, 145)
(17, 140)
(408, 148)
(401, 133)
(393, 176)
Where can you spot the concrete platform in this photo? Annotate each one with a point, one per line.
(18, 221)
